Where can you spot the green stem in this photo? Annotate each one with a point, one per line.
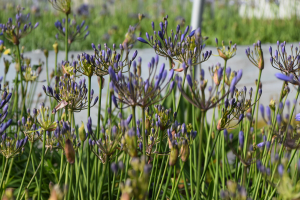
(78, 170)
(109, 197)
(88, 148)
(102, 180)
(42, 165)
(55, 64)
(9, 170)
(166, 167)
(25, 172)
(200, 155)
(3, 173)
(71, 180)
(66, 37)
(21, 79)
(178, 179)
(166, 185)
(143, 134)
(67, 178)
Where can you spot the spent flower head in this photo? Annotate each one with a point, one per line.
(62, 5)
(226, 52)
(258, 58)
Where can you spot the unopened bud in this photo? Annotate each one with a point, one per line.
(185, 151)
(173, 155)
(82, 133)
(69, 151)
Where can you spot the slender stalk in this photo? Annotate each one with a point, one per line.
(66, 37)
(121, 178)
(25, 171)
(200, 155)
(166, 185)
(42, 165)
(143, 134)
(166, 169)
(3, 173)
(21, 79)
(108, 183)
(47, 71)
(9, 170)
(88, 149)
(178, 179)
(99, 107)
(71, 180)
(67, 179)
(102, 181)
(55, 64)
(78, 170)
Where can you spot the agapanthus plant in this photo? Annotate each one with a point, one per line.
(134, 91)
(76, 32)
(71, 94)
(110, 140)
(287, 64)
(14, 32)
(178, 46)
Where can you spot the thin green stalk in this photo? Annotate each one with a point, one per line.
(71, 181)
(21, 79)
(161, 182)
(47, 71)
(67, 178)
(42, 165)
(166, 185)
(9, 170)
(109, 197)
(78, 169)
(143, 133)
(99, 107)
(216, 185)
(88, 149)
(157, 185)
(178, 179)
(200, 155)
(25, 171)
(209, 157)
(66, 36)
(55, 64)
(121, 177)
(3, 173)
(61, 162)
(102, 180)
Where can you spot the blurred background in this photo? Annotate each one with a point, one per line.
(242, 21)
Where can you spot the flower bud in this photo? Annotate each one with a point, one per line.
(185, 151)
(69, 151)
(173, 155)
(82, 133)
